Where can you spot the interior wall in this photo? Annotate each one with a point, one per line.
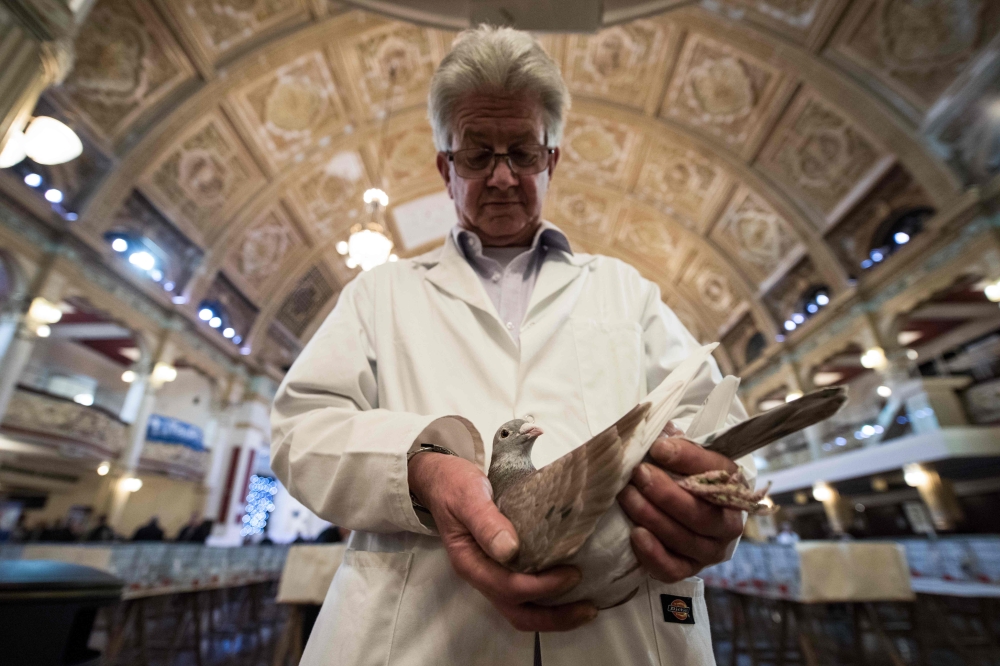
(184, 497)
(188, 398)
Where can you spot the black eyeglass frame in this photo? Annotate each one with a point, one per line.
(549, 152)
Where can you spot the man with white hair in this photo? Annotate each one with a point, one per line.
(385, 421)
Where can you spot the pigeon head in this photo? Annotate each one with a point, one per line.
(512, 453)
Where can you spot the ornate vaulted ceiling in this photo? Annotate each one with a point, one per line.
(736, 156)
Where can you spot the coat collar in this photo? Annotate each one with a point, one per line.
(450, 271)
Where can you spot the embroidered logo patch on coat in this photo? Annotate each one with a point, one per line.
(679, 610)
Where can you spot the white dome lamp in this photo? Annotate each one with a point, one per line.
(13, 152)
(49, 141)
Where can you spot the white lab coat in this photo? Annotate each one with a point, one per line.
(416, 340)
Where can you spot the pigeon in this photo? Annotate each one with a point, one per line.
(566, 513)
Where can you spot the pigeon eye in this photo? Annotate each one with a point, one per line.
(504, 432)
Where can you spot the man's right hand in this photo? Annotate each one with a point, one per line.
(477, 537)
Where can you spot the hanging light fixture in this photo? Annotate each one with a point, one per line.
(370, 244)
(49, 141)
(13, 152)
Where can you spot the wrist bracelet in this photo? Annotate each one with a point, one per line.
(425, 448)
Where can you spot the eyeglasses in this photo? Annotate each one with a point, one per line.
(476, 163)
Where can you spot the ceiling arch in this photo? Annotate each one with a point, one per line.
(720, 156)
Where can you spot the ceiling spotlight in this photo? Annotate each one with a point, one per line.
(342, 247)
(179, 300)
(393, 257)
(901, 238)
(43, 331)
(375, 195)
(245, 350)
(992, 291)
(351, 262)
(168, 286)
(884, 391)
(867, 263)
(13, 152)
(84, 399)
(812, 308)
(163, 373)
(45, 311)
(228, 332)
(822, 492)
(798, 318)
(822, 299)
(215, 322)
(53, 196)
(49, 141)
(873, 358)
(128, 376)
(32, 180)
(205, 314)
(143, 260)
(915, 475)
(789, 325)
(130, 484)
(104, 468)
(156, 274)
(876, 256)
(72, 217)
(237, 339)
(912, 354)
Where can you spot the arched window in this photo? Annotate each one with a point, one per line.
(813, 299)
(896, 231)
(755, 347)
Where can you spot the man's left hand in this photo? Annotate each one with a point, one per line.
(677, 534)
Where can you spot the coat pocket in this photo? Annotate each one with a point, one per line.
(609, 355)
(359, 614)
(680, 622)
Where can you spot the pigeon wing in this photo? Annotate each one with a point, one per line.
(774, 424)
(556, 509)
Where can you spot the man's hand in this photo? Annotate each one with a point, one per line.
(677, 534)
(477, 536)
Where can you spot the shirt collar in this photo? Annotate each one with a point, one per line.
(548, 236)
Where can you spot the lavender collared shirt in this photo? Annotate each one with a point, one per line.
(510, 286)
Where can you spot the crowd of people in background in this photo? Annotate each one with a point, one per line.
(196, 530)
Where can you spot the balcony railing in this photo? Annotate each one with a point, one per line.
(60, 423)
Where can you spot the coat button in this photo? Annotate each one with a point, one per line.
(496, 277)
(510, 326)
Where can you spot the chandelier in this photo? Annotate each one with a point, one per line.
(370, 243)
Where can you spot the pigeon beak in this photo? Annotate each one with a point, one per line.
(531, 430)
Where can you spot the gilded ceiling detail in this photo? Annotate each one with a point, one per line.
(125, 62)
(305, 301)
(918, 48)
(201, 178)
(819, 155)
(574, 206)
(220, 26)
(262, 250)
(681, 182)
(409, 51)
(330, 195)
(643, 232)
(618, 63)
(293, 109)
(721, 91)
(754, 234)
(686, 152)
(597, 149)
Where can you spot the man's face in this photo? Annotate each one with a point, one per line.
(503, 208)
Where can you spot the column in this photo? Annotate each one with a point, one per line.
(218, 439)
(249, 438)
(937, 493)
(25, 327)
(151, 377)
(36, 38)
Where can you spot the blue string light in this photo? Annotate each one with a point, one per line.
(259, 504)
